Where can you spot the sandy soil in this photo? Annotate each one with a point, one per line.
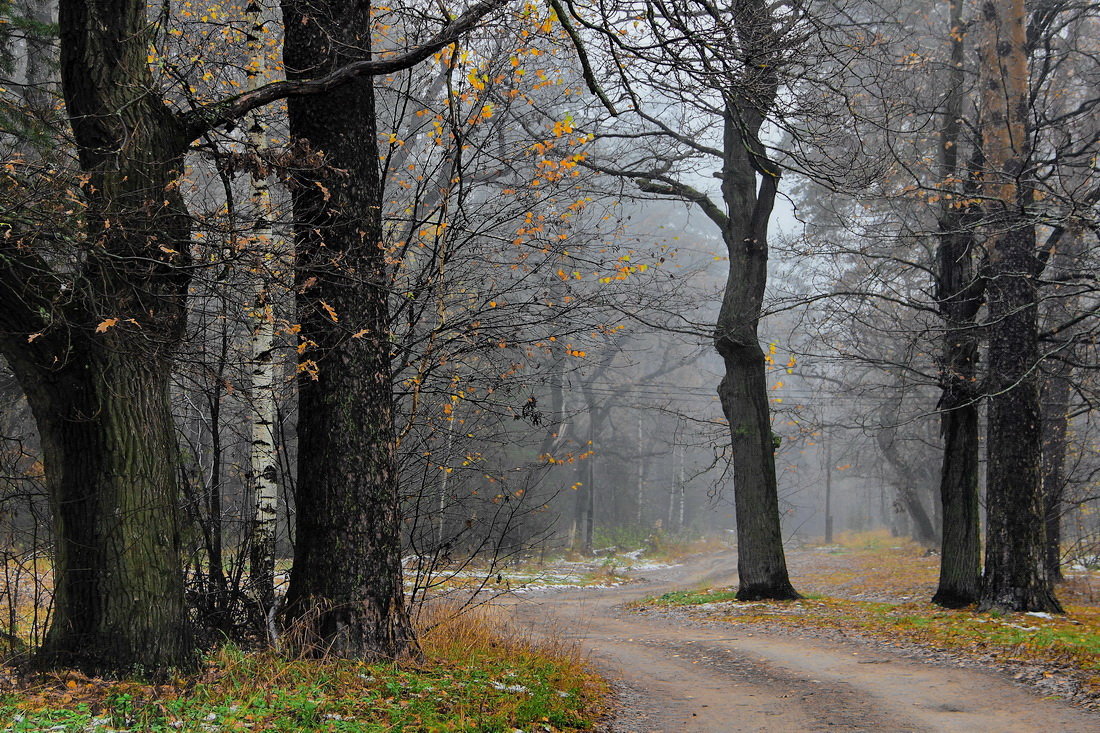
(671, 676)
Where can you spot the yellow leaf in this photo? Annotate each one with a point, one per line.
(331, 311)
(107, 323)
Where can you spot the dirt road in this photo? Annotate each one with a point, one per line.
(672, 677)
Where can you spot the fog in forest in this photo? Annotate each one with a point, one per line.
(559, 281)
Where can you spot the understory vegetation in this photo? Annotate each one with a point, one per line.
(477, 673)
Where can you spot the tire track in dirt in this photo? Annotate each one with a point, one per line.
(672, 677)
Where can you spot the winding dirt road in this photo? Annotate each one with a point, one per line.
(672, 677)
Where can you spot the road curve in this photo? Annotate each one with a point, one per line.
(669, 677)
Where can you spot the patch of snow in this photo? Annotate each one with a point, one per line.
(653, 566)
(507, 688)
(531, 588)
(1038, 614)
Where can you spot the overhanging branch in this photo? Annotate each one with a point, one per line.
(215, 114)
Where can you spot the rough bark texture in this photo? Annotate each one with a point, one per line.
(92, 349)
(960, 548)
(1015, 577)
(118, 593)
(346, 596)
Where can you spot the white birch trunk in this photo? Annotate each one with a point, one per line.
(263, 460)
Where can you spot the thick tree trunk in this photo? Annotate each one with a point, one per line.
(960, 555)
(110, 453)
(346, 595)
(93, 353)
(1015, 573)
(1015, 576)
(761, 564)
(960, 548)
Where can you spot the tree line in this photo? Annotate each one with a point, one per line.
(406, 209)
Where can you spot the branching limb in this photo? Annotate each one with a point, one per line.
(215, 114)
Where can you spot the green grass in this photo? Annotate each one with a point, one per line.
(474, 678)
(691, 597)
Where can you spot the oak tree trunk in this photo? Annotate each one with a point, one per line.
(109, 448)
(1015, 577)
(92, 349)
(346, 596)
(960, 547)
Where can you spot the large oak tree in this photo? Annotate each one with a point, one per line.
(89, 323)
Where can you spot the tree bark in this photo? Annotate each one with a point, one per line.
(1063, 301)
(743, 391)
(1015, 576)
(109, 447)
(92, 350)
(346, 596)
(263, 458)
(1055, 400)
(960, 548)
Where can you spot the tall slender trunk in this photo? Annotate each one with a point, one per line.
(217, 601)
(960, 548)
(682, 490)
(743, 391)
(828, 491)
(1015, 576)
(590, 490)
(1063, 301)
(346, 595)
(263, 459)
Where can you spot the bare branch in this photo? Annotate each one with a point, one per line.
(208, 116)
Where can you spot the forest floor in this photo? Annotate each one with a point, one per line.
(477, 673)
(864, 651)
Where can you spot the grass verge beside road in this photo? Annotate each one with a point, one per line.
(880, 587)
(476, 675)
